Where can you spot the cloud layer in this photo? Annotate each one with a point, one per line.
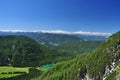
(76, 32)
(12, 30)
(63, 32)
(92, 33)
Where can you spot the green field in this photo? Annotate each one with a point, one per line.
(6, 71)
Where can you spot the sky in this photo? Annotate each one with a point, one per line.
(67, 15)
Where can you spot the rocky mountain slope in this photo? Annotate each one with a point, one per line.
(95, 65)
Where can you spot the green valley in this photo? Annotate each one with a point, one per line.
(23, 51)
(59, 39)
(63, 63)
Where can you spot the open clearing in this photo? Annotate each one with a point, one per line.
(7, 71)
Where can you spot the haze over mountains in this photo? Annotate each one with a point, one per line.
(81, 34)
(57, 39)
(62, 32)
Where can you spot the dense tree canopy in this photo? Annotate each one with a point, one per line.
(24, 51)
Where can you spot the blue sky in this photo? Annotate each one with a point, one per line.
(68, 15)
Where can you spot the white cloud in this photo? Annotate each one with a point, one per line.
(92, 33)
(76, 32)
(53, 31)
(62, 32)
(12, 31)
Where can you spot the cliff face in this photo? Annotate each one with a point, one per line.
(115, 52)
(114, 59)
(95, 65)
(110, 57)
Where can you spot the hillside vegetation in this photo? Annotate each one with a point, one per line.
(78, 46)
(7, 72)
(46, 38)
(64, 42)
(23, 51)
(94, 65)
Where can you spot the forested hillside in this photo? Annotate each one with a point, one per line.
(65, 42)
(92, 37)
(46, 38)
(78, 46)
(24, 51)
(95, 65)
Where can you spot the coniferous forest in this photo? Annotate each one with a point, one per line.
(101, 62)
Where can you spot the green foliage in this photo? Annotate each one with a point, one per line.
(6, 72)
(32, 75)
(23, 51)
(111, 76)
(78, 46)
(7, 69)
(92, 63)
(20, 51)
(48, 38)
(118, 70)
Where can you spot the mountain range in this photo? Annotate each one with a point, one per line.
(81, 34)
(61, 40)
(102, 63)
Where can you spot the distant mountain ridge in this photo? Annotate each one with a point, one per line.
(62, 32)
(46, 38)
(64, 36)
(67, 42)
(92, 37)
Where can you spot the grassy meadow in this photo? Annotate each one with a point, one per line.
(8, 71)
